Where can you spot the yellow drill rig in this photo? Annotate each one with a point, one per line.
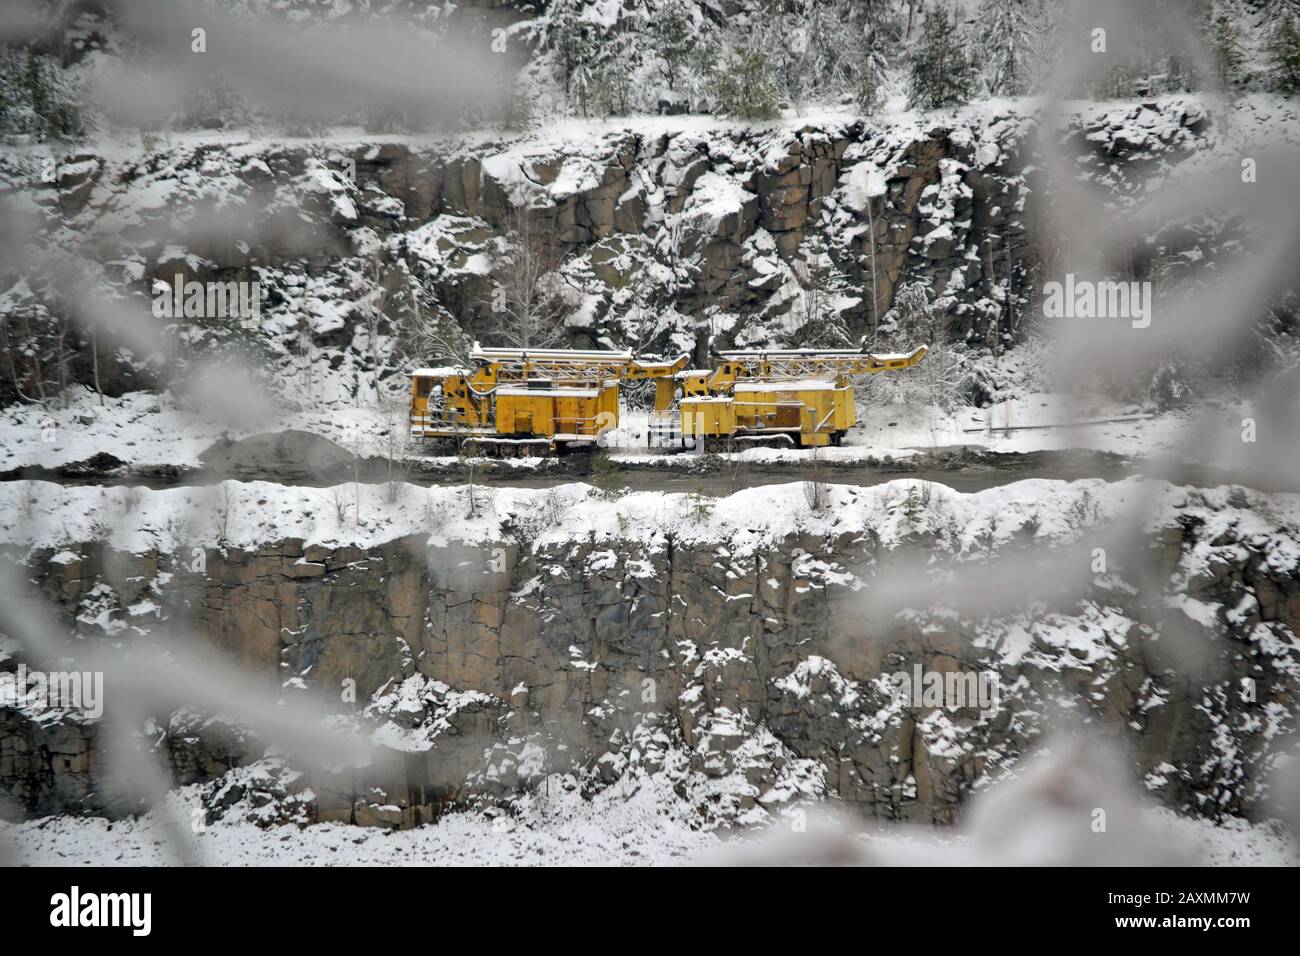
(800, 397)
(526, 401)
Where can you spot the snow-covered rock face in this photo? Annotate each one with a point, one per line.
(744, 649)
(675, 229)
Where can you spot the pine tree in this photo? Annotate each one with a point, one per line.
(51, 103)
(867, 94)
(1045, 44)
(517, 107)
(605, 475)
(702, 67)
(782, 40)
(1005, 39)
(829, 51)
(1284, 54)
(582, 84)
(569, 37)
(874, 31)
(612, 87)
(745, 88)
(38, 87)
(675, 36)
(1225, 45)
(941, 72)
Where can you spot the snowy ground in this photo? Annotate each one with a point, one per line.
(249, 514)
(147, 429)
(1036, 421)
(573, 831)
(569, 831)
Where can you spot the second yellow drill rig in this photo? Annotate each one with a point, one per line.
(798, 397)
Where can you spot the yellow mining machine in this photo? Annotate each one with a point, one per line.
(519, 402)
(532, 401)
(795, 397)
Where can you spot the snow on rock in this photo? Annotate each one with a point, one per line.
(43, 514)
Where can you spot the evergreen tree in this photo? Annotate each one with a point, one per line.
(612, 89)
(941, 73)
(783, 40)
(37, 99)
(11, 87)
(570, 38)
(867, 94)
(582, 83)
(702, 66)
(605, 475)
(675, 37)
(38, 87)
(1004, 40)
(875, 33)
(1225, 44)
(829, 52)
(1045, 44)
(517, 107)
(1284, 54)
(745, 88)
